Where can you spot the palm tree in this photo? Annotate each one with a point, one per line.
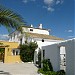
(9, 19)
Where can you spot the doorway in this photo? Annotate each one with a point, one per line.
(2, 53)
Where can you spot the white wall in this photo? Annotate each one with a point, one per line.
(41, 44)
(46, 42)
(18, 35)
(16, 38)
(52, 53)
(35, 30)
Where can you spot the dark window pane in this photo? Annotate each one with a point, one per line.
(13, 52)
(16, 52)
(31, 29)
(42, 40)
(21, 41)
(43, 54)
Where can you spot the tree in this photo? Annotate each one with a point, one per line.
(27, 51)
(9, 19)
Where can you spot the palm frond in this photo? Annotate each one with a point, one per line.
(10, 19)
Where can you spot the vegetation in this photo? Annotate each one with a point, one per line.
(9, 19)
(61, 72)
(27, 51)
(39, 58)
(48, 69)
(47, 66)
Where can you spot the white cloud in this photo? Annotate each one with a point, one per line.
(50, 9)
(4, 37)
(69, 30)
(49, 4)
(26, 1)
(59, 1)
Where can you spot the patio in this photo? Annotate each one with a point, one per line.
(18, 69)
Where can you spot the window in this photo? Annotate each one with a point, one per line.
(62, 58)
(21, 41)
(43, 54)
(31, 29)
(15, 52)
(42, 40)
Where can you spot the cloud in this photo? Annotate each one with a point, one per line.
(26, 1)
(50, 9)
(4, 37)
(70, 31)
(59, 2)
(49, 4)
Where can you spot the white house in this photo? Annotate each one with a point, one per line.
(40, 35)
(61, 55)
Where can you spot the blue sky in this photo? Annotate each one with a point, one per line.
(57, 15)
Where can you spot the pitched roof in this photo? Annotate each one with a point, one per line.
(34, 35)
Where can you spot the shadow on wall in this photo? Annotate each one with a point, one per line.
(4, 73)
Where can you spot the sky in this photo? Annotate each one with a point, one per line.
(56, 15)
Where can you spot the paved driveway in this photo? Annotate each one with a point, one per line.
(18, 69)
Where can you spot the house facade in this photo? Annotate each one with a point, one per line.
(61, 55)
(31, 34)
(9, 52)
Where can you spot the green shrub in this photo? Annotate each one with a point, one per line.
(48, 69)
(40, 70)
(47, 66)
(27, 51)
(61, 72)
(50, 73)
(46, 72)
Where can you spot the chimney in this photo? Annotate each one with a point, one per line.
(40, 26)
(31, 25)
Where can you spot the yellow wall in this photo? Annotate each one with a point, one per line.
(9, 58)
